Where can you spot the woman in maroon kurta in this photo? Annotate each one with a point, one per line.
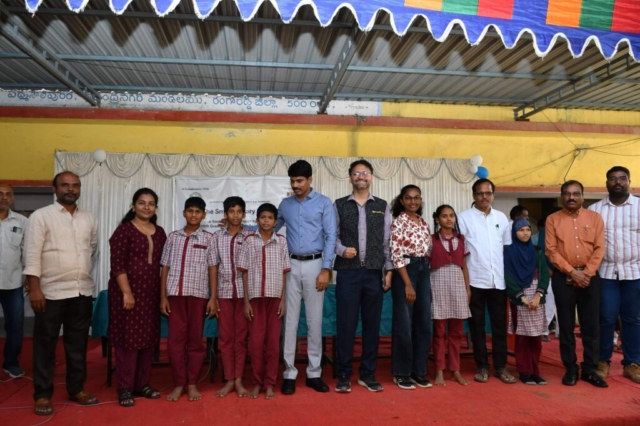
(134, 296)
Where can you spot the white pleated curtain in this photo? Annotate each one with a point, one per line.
(107, 188)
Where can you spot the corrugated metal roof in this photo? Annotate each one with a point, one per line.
(225, 55)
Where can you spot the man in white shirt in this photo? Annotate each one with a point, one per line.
(60, 242)
(487, 232)
(620, 273)
(12, 227)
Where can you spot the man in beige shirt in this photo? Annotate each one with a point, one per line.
(60, 242)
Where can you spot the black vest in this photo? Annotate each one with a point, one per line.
(348, 215)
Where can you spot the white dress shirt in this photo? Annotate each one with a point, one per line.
(11, 241)
(486, 237)
(59, 248)
(621, 238)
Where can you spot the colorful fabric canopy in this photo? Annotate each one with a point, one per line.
(610, 24)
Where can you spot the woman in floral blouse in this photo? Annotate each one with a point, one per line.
(411, 291)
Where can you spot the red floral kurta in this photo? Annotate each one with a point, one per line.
(408, 238)
(139, 327)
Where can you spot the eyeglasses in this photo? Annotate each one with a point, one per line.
(572, 194)
(409, 199)
(618, 178)
(483, 194)
(358, 174)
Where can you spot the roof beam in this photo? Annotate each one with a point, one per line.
(575, 87)
(290, 65)
(354, 40)
(21, 37)
(321, 67)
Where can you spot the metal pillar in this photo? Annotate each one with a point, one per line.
(354, 39)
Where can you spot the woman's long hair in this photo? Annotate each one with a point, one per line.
(397, 207)
(436, 225)
(131, 213)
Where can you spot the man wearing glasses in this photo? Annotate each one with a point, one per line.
(575, 245)
(487, 232)
(362, 249)
(620, 273)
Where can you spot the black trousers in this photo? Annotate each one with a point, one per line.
(358, 294)
(587, 300)
(74, 315)
(496, 302)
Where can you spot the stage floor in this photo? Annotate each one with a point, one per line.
(493, 403)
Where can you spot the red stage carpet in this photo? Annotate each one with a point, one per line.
(493, 403)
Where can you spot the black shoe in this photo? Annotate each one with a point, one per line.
(404, 382)
(539, 380)
(421, 381)
(288, 387)
(527, 379)
(570, 378)
(594, 379)
(344, 385)
(546, 338)
(370, 383)
(317, 385)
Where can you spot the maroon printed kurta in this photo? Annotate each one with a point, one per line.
(139, 327)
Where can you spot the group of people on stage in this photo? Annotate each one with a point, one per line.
(253, 280)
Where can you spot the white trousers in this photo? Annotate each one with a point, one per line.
(301, 285)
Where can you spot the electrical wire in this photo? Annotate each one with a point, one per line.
(526, 172)
(558, 129)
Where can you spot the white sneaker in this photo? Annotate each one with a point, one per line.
(14, 372)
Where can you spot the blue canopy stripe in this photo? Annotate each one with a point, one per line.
(527, 16)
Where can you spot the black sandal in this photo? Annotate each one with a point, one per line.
(148, 392)
(125, 398)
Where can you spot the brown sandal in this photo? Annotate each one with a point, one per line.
(482, 375)
(505, 376)
(83, 398)
(43, 407)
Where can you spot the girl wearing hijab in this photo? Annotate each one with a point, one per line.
(527, 280)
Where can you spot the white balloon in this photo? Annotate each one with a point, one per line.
(476, 160)
(473, 169)
(99, 155)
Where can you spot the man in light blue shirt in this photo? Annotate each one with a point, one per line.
(311, 239)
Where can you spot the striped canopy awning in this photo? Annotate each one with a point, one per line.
(611, 24)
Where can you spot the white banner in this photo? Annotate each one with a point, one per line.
(254, 190)
(189, 102)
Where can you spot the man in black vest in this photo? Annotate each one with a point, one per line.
(362, 250)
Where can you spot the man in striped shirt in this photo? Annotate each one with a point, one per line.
(620, 273)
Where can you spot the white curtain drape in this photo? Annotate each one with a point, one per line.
(107, 188)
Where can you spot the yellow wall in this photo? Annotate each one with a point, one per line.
(513, 158)
(622, 118)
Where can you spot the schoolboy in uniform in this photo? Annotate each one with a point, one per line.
(185, 297)
(227, 288)
(264, 263)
